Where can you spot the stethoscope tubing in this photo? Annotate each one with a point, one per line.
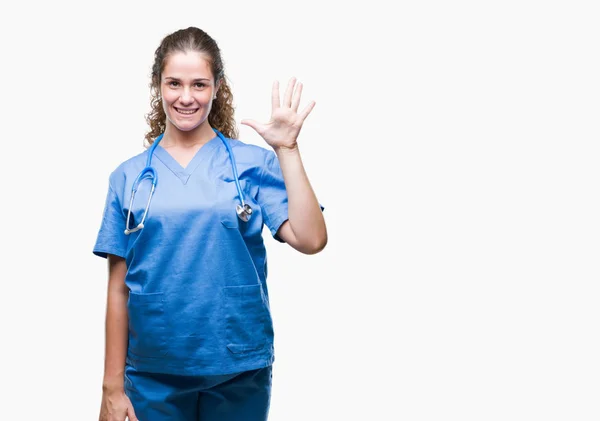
(244, 211)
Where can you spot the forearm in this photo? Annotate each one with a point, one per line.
(117, 325)
(304, 213)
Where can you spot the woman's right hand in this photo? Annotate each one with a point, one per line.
(116, 406)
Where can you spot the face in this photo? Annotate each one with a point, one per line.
(187, 90)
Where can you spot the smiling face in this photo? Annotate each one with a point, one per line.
(187, 90)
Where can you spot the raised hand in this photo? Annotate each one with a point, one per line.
(285, 124)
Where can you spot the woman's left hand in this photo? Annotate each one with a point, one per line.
(285, 124)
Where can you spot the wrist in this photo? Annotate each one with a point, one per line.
(286, 150)
(113, 384)
(110, 389)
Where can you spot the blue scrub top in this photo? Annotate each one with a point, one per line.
(198, 301)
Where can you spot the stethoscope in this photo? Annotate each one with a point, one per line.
(244, 211)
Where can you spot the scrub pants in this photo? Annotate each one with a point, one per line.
(241, 396)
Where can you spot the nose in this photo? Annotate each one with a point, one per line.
(186, 96)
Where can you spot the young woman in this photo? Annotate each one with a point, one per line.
(189, 334)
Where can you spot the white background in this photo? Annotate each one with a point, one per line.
(453, 144)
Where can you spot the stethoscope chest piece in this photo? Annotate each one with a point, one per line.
(244, 213)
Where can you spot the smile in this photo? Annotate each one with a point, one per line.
(186, 112)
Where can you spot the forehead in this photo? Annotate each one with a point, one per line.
(189, 65)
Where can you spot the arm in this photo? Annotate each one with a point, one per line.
(116, 405)
(117, 325)
(305, 229)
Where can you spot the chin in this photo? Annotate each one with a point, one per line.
(187, 126)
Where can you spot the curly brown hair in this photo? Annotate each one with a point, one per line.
(183, 40)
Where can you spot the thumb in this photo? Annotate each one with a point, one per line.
(131, 414)
(252, 123)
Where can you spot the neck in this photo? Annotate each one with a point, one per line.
(174, 137)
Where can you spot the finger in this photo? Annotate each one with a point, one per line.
(252, 123)
(275, 96)
(307, 111)
(287, 100)
(131, 414)
(297, 95)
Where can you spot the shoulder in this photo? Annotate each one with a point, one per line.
(250, 152)
(131, 167)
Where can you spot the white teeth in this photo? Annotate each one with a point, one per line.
(185, 111)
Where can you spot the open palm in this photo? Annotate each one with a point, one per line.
(285, 124)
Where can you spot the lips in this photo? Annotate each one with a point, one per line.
(186, 111)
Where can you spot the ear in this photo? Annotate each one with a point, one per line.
(218, 85)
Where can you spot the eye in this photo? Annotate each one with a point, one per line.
(200, 84)
(171, 83)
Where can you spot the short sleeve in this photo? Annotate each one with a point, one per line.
(272, 195)
(111, 236)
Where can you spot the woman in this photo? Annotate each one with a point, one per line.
(189, 334)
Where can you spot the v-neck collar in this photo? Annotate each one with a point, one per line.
(184, 173)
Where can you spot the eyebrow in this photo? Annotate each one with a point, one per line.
(195, 80)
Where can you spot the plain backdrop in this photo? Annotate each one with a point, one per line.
(454, 145)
